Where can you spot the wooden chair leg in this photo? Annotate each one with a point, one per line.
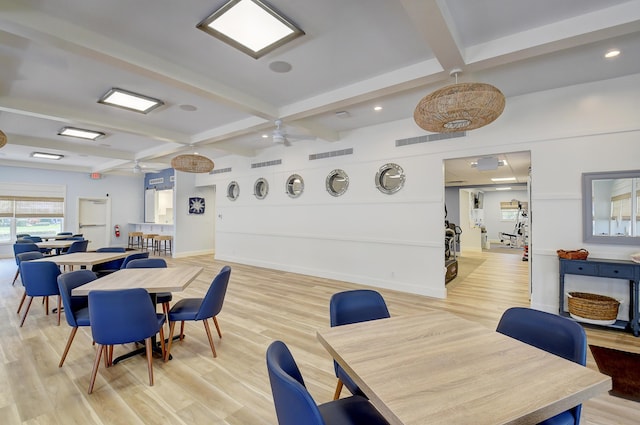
(336, 395)
(181, 330)
(96, 364)
(24, 296)
(215, 322)
(15, 277)
(206, 328)
(162, 343)
(59, 308)
(26, 311)
(66, 348)
(106, 350)
(172, 326)
(147, 344)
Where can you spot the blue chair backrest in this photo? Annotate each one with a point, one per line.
(134, 256)
(33, 239)
(213, 299)
(111, 249)
(66, 283)
(121, 316)
(78, 246)
(27, 256)
(19, 248)
(360, 305)
(147, 263)
(64, 233)
(294, 405)
(40, 278)
(549, 332)
(22, 235)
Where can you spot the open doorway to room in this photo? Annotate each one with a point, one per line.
(487, 208)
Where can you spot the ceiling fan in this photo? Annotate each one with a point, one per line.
(139, 167)
(281, 137)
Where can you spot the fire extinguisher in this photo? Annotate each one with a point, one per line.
(116, 230)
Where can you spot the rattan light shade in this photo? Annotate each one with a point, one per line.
(459, 107)
(3, 139)
(192, 163)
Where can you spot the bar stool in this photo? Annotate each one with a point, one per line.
(148, 238)
(160, 243)
(135, 240)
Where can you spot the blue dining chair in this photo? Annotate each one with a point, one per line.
(108, 267)
(40, 280)
(120, 317)
(77, 246)
(360, 305)
(76, 308)
(194, 309)
(134, 256)
(552, 333)
(294, 405)
(163, 298)
(36, 239)
(19, 248)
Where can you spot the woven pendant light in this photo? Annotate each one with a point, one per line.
(459, 107)
(3, 139)
(192, 163)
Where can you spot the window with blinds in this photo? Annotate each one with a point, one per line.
(36, 216)
(509, 211)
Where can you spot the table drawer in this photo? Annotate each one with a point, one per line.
(610, 270)
(580, 268)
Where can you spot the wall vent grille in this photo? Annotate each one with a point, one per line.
(220, 170)
(331, 154)
(266, 163)
(429, 138)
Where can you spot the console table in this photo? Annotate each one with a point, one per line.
(619, 269)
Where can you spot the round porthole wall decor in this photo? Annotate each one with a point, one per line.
(261, 188)
(233, 191)
(294, 186)
(390, 178)
(337, 182)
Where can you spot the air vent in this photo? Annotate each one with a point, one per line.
(156, 181)
(266, 163)
(331, 154)
(429, 138)
(220, 170)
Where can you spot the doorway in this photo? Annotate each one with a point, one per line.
(489, 196)
(94, 221)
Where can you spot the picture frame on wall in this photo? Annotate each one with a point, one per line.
(196, 205)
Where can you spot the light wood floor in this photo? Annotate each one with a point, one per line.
(261, 306)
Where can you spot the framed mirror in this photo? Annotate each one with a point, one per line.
(261, 188)
(294, 186)
(337, 182)
(233, 191)
(611, 207)
(390, 178)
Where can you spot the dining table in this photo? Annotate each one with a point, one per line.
(153, 280)
(55, 244)
(84, 259)
(438, 368)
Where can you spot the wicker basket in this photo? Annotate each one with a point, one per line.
(593, 306)
(579, 254)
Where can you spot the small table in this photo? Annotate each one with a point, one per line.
(437, 368)
(87, 259)
(171, 279)
(55, 244)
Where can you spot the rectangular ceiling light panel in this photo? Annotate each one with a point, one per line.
(44, 155)
(80, 133)
(130, 100)
(250, 26)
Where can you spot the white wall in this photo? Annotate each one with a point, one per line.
(126, 195)
(395, 241)
(194, 233)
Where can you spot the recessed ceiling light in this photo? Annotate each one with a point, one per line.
(503, 188)
(503, 179)
(250, 26)
(612, 53)
(80, 133)
(264, 136)
(130, 100)
(44, 155)
(377, 108)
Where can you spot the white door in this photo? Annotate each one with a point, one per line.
(94, 218)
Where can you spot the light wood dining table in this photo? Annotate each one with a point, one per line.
(86, 259)
(55, 244)
(438, 368)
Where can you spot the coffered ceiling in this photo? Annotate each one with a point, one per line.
(59, 56)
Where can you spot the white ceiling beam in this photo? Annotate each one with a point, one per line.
(81, 148)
